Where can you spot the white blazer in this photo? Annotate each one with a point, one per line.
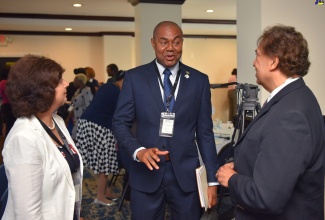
(40, 184)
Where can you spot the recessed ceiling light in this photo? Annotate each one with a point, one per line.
(209, 10)
(68, 29)
(77, 5)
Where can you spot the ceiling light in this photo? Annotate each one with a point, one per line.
(77, 5)
(68, 29)
(209, 10)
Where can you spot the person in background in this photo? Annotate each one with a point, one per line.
(278, 168)
(164, 158)
(79, 101)
(63, 110)
(232, 96)
(95, 138)
(42, 164)
(90, 73)
(112, 71)
(88, 83)
(8, 117)
(71, 90)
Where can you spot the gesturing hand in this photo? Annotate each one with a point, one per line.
(150, 157)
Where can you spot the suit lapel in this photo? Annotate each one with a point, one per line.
(151, 74)
(152, 77)
(52, 149)
(183, 86)
(287, 89)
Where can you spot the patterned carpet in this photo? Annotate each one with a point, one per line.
(91, 211)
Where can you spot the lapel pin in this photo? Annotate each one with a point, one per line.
(187, 74)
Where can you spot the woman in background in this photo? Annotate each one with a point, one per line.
(42, 164)
(92, 82)
(79, 101)
(95, 139)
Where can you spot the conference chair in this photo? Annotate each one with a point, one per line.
(225, 209)
(3, 203)
(3, 189)
(3, 180)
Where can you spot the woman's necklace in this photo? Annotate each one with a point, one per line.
(52, 126)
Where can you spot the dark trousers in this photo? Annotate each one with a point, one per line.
(151, 206)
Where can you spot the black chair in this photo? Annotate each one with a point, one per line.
(125, 191)
(3, 203)
(114, 178)
(3, 189)
(224, 154)
(124, 161)
(225, 211)
(3, 180)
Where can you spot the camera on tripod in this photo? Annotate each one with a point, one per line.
(248, 105)
(247, 108)
(249, 92)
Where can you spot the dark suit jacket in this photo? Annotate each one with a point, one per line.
(141, 100)
(280, 160)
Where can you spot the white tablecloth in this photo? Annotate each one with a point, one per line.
(222, 136)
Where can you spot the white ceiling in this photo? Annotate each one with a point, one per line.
(191, 9)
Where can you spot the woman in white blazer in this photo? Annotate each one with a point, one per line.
(43, 166)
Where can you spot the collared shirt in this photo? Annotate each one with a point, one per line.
(172, 77)
(278, 89)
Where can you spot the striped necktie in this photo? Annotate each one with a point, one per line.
(168, 87)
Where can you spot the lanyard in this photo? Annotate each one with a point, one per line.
(75, 162)
(65, 142)
(168, 99)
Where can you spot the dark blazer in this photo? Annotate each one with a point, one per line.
(280, 160)
(140, 100)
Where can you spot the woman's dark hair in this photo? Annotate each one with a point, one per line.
(79, 70)
(31, 84)
(289, 46)
(120, 75)
(234, 72)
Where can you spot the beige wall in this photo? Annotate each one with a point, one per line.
(254, 15)
(70, 52)
(215, 57)
(118, 50)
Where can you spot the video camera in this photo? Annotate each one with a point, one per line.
(249, 92)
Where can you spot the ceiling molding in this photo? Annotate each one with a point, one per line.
(170, 2)
(100, 34)
(210, 36)
(66, 17)
(105, 18)
(55, 33)
(206, 21)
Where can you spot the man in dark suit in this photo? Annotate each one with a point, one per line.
(169, 129)
(278, 169)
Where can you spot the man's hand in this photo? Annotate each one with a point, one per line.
(150, 157)
(224, 173)
(212, 196)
